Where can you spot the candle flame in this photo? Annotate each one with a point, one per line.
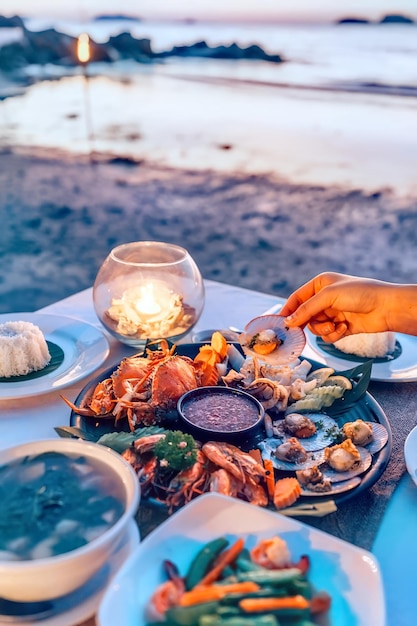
(147, 303)
(83, 48)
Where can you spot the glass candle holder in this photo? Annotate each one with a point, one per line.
(148, 290)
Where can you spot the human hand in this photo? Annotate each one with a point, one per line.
(335, 305)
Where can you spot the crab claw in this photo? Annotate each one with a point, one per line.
(79, 411)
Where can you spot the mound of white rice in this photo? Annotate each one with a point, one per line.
(369, 345)
(23, 349)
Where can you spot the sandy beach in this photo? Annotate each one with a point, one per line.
(267, 174)
(61, 215)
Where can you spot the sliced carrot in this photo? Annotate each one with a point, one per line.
(219, 344)
(215, 592)
(225, 558)
(205, 349)
(255, 605)
(210, 375)
(269, 478)
(286, 492)
(206, 354)
(256, 454)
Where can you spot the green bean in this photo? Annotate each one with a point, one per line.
(296, 622)
(271, 577)
(228, 611)
(202, 561)
(244, 564)
(263, 592)
(290, 616)
(299, 586)
(189, 615)
(241, 620)
(228, 572)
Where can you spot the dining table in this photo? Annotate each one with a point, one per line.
(381, 519)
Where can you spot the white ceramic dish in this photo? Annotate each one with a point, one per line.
(43, 579)
(351, 575)
(85, 348)
(410, 454)
(83, 603)
(400, 370)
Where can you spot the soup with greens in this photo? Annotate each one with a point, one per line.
(52, 503)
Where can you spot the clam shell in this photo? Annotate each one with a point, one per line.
(358, 468)
(293, 339)
(268, 446)
(322, 437)
(341, 487)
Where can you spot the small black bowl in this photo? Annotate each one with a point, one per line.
(220, 413)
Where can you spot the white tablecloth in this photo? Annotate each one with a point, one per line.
(35, 418)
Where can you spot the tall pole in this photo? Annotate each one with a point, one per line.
(83, 54)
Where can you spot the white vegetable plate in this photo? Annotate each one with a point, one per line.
(351, 575)
(399, 370)
(410, 454)
(84, 349)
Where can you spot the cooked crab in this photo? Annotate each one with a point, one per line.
(142, 388)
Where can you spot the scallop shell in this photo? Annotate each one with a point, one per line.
(380, 438)
(268, 446)
(340, 487)
(358, 468)
(293, 339)
(322, 437)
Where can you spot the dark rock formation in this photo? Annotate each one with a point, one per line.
(52, 47)
(127, 47)
(11, 22)
(353, 20)
(232, 51)
(117, 16)
(396, 19)
(48, 46)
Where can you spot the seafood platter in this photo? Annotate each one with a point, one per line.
(316, 435)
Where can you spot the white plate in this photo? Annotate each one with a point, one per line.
(82, 604)
(410, 454)
(85, 349)
(351, 575)
(400, 370)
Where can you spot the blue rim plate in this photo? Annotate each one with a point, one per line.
(84, 349)
(401, 369)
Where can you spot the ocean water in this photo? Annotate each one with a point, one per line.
(341, 109)
(329, 55)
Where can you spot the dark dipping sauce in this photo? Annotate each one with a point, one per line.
(221, 412)
(52, 503)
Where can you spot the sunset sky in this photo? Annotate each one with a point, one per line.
(280, 10)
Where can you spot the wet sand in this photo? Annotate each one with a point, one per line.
(61, 215)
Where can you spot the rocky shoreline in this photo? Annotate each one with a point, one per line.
(53, 47)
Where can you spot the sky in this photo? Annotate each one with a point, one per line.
(279, 10)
